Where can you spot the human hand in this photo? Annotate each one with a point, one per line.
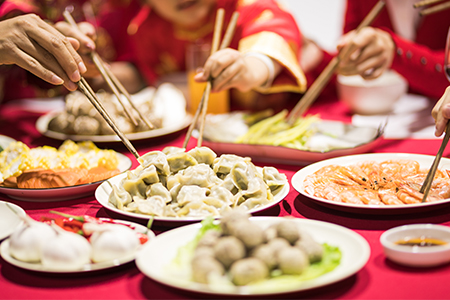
(230, 69)
(86, 36)
(372, 52)
(441, 113)
(38, 47)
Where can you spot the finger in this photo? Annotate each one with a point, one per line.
(220, 60)
(87, 45)
(61, 48)
(227, 78)
(56, 76)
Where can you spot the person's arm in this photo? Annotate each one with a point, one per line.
(32, 44)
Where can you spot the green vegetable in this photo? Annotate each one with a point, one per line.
(276, 132)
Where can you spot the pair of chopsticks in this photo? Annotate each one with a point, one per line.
(317, 86)
(432, 9)
(425, 189)
(90, 94)
(112, 80)
(203, 105)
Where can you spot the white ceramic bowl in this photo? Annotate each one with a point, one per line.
(368, 97)
(416, 256)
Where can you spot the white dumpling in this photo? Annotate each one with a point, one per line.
(273, 178)
(190, 193)
(113, 241)
(224, 163)
(222, 194)
(119, 197)
(171, 150)
(201, 175)
(197, 209)
(134, 185)
(203, 155)
(66, 251)
(149, 175)
(156, 158)
(158, 189)
(180, 161)
(151, 206)
(26, 242)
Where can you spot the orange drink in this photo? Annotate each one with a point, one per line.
(218, 102)
(196, 56)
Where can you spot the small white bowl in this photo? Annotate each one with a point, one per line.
(416, 256)
(369, 97)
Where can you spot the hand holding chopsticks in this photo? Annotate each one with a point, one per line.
(112, 80)
(203, 105)
(317, 86)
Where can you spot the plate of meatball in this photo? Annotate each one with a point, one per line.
(242, 255)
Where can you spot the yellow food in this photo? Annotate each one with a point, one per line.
(18, 158)
(276, 132)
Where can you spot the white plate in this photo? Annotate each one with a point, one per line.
(42, 127)
(425, 161)
(104, 189)
(5, 141)
(9, 219)
(155, 257)
(4, 252)
(279, 154)
(61, 193)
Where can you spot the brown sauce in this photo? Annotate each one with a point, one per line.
(421, 242)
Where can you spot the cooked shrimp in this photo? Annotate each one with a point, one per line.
(389, 197)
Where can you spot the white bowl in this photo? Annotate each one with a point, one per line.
(368, 97)
(416, 256)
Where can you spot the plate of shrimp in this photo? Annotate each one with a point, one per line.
(374, 183)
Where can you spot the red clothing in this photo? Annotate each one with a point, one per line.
(158, 47)
(420, 62)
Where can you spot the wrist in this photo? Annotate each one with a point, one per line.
(267, 61)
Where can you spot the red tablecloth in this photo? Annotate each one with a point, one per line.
(379, 279)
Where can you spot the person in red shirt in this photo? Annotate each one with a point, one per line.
(400, 39)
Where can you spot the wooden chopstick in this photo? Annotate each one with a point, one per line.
(435, 9)
(112, 80)
(90, 94)
(203, 105)
(425, 189)
(317, 86)
(425, 3)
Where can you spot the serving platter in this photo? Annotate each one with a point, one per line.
(61, 193)
(10, 218)
(103, 190)
(38, 267)
(43, 121)
(333, 139)
(156, 257)
(425, 161)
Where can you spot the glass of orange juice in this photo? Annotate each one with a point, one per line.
(196, 56)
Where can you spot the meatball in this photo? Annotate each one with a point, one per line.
(277, 244)
(313, 249)
(203, 268)
(288, 230)
(266, 254)
(292, 261)
(248, 270)
(229, 249)
(249, 233)
(230, 219)
(86, 126)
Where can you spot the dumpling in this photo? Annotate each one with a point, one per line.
(203, 155)
(151, 206)
(149, 175)
(180, 161)
(197, 209)
(201, 175)
(134, 185)
(190, 193)
(172, 150)
(273, 178)
(222, 194)
(224, 163)
(156, 158)
(158, 189)
(241, 173)
(119, 197)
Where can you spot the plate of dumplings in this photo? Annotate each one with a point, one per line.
(174, 185)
